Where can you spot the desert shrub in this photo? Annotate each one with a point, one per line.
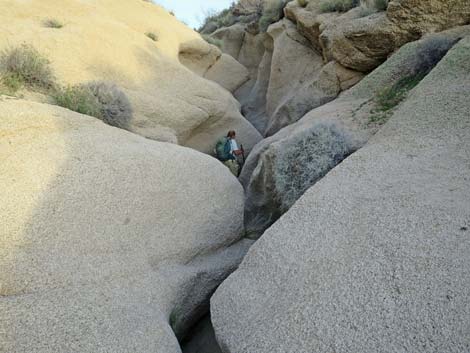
(52, 23)
(391, 97)
(338, 5)
(381, 5)
(214, 41)
(215, 20)
(152, 36)
(98, 99)
(309, 157)
(272, 12)
(25, 66)
(116, 110)
(302, 3)
(79, 99)
(366, 11)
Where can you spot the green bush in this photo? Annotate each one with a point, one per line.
(302, 3)
(381, 5)
(98, 99)
(116, 110)
(272, 13)
(338, 5)
(214, 41)
(152, 36)
(25, 66)
(52, 23)
(78, 98)
(391, 97)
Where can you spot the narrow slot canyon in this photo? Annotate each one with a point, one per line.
(124, 230)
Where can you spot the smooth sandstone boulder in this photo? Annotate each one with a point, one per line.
(105, 40)
(350, 115)
(373, 258)
(109, 241)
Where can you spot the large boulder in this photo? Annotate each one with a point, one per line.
(109, 242)
(374, 257)
(350, 121)
(106, 40)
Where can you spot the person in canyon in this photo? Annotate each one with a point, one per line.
(228, 152)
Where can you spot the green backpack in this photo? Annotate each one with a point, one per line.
(222, 149)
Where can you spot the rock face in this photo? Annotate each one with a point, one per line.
(374, 257)
(351, 118)
(108, 240)
(288, 76)
(106, 41)
(362, 38)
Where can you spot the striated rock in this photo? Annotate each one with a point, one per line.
(108, 240)
(351, 113)
(374, 257)
(106, 40)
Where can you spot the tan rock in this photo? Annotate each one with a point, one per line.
(228, 73)
(105, 235)
(232, 38)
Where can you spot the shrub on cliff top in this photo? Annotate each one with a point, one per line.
(25, 66)
(98, 99)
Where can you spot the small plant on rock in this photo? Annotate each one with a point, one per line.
(272, 12)
(79, 99)
(52, 23)
(381, 5)
(152, 36)
(25, 66)
(302, 3)
(391, 97)
(214, 41)
(101, 100)
(338, 5)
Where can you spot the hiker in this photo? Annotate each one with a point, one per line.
(229, 153)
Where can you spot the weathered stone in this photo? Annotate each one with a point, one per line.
(108, 240)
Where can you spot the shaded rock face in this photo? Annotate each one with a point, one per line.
(374, 257)
(106, 41)
(352, 112)
(109, 241)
